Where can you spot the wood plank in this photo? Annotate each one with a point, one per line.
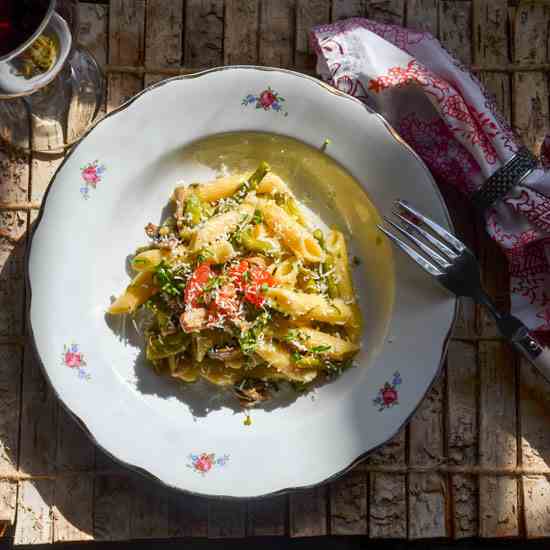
(462, 429)
(126, 47)
(92, 34)
(386, 11)
(73, 508)
(464, 223)
(8, 507)
(348, 504)
(163, 36)
(387, 506)
(92, 29)
(13, 240)
(422, 15)
(38, 420)
(308, 513)
(43, 167)
(187, 516)
(226, 518)
(34, 517)
(387, 492)
(455, 28)
(428, 508)
(531, 88)
(498, 496)
(203, 33)
(241, 32)
(490, 21)
(74, 494)
(308, 14)
(536, 494)
(10, 375)
(276, 33)
(14, 175)
(343, 9)
(112, 504)
(491, 47)
(149, 509)
(267, 516)
(534, 407)
(496, 282)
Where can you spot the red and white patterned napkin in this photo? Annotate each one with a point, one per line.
(444, 113)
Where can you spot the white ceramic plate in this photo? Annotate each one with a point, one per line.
(119, 177)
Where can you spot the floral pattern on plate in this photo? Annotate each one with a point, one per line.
(268, 100)
(204, 462)
(92, 174)
(388, 395)
(74, 359)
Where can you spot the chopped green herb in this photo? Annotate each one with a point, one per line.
(320, 238)
(204, 255)
(356, 260)
(252, 183)
(257, 218)
(318, 350)
(169, 282)
(248, 340)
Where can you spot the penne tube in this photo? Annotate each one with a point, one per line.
(314, 307)
(309, 339)
(138, 291)
(221, 225)
(294, 236)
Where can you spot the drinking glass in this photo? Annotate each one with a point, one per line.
(51, 89)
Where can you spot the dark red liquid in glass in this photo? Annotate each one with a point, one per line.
(19, 19)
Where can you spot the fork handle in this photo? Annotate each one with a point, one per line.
(535, 352)
(519, 336)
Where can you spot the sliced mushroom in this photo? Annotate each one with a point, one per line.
(152, 230)
(228, 353)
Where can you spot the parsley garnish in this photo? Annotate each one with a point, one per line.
(257, 218)
(317, 350)
(168, 281)
(248, 340)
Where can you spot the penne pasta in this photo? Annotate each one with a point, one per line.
(286, 272)
(279, 358)
(240, 290)
(221, 225)
(214, 190)
(149, 259)
(336, 246)
(314, 307)
(309, 339)
(138, 291)
(295, 236)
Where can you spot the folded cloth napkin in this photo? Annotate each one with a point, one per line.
(447, 117)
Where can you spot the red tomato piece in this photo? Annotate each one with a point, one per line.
(195, 286)
(254, 293)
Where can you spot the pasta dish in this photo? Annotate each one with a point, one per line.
(242, 290)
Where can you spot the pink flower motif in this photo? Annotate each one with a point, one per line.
(389, 395)
(90, 175)
(204, 463)
(73, 359)
(267, 98)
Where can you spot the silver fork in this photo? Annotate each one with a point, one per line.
(453, 264)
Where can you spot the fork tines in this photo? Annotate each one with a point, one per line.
(440, 246)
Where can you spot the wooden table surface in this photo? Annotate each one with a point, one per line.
(474, 459)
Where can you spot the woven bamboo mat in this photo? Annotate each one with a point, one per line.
(473, 461)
